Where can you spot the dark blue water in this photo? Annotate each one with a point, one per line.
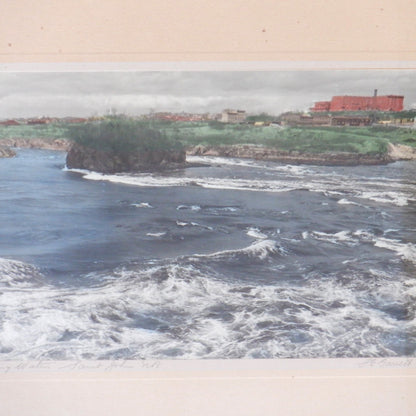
(237, 259)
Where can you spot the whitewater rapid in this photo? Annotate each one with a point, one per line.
(234, 259)
(382, 190)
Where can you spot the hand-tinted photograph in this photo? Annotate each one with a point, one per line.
(207, 215)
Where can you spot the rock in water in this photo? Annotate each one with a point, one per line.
(7, 152)
(82, 157)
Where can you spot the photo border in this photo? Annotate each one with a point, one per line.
(38, 41)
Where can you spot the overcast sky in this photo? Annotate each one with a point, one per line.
(24, 94)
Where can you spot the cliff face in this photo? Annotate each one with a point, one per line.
(81, 157)
(293, 157)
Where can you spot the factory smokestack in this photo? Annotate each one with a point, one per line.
(375, 93)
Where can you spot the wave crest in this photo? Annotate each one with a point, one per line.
(16, 273)
(258, 250)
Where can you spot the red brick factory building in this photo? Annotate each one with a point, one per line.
(358, 103)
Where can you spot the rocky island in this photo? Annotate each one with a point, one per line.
(83, 157)
(119, 145)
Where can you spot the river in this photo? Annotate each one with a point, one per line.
(235, 259)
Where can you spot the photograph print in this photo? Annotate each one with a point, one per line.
(158, 215)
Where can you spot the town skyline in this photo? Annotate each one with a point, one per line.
(134, 93)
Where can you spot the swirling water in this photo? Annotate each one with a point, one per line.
(237, 259)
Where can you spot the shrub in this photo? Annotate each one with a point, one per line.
(121, 136)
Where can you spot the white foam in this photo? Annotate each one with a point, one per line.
(256, 233)
(344, 236)
(391, 230)
(15, 273)
(161, 234)
(399, 199)
(81, 171)
(147, 180)
(344, 201)
(144, 180)
(381, 191)
(259, 249)
(364, 235)
(223, 161)
(205, 314)
(190, 207)
(346, 186)
(219, 209)
(142, 205)
(123, 313)
(406, 251)
(249, 163)
(248, 185)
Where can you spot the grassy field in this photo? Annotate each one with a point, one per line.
(49, 131)
(364, 140)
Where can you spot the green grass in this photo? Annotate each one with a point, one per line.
(302, 139)
(49, 131)
(127, 134)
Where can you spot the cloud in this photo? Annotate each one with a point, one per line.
(136, 92)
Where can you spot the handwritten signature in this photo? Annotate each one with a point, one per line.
(388, 362)
(106, 366)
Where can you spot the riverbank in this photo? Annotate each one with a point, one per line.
(295, 145)
(394, 153)
(36, 143)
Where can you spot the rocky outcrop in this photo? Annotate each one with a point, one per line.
(293, 157)
(37, 143)
(7, 152)
(401, 152)
(81, 157)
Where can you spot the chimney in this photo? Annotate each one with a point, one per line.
(375, 93)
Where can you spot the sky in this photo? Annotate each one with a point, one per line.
(60, 94)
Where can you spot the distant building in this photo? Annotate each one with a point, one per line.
(233, 116)
(299, 119)
(316, 120)
(361, 103)
(350, 121)
(9, 123)
(321, 106)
